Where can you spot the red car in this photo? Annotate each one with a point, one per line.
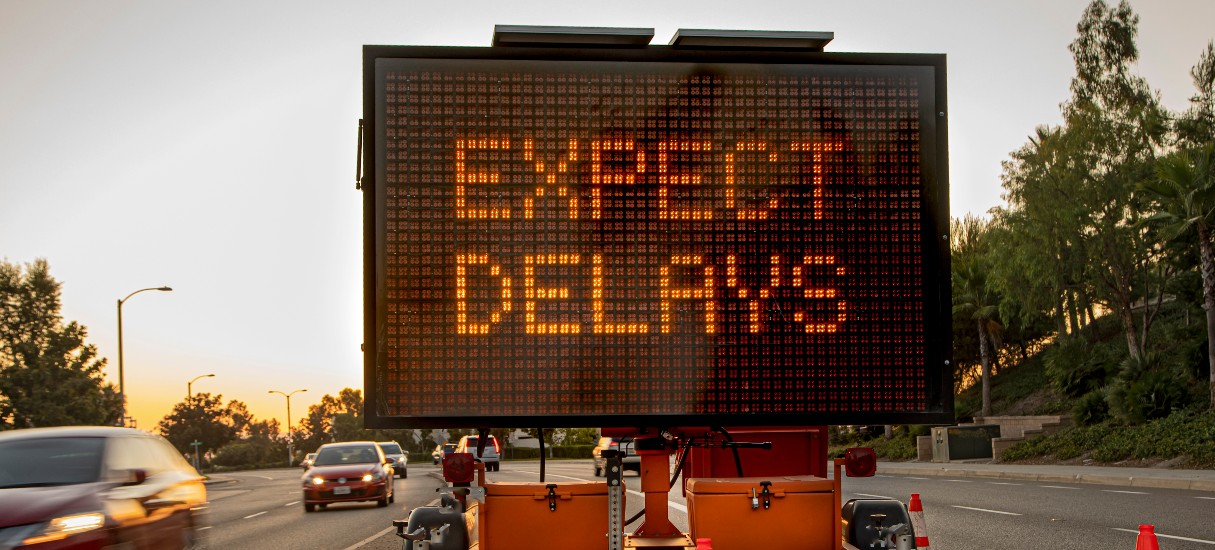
(97, 487)
(354, 471)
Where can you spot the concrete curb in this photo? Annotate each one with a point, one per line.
(1058, 477)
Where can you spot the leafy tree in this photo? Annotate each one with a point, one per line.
(49, 376)
(203, 417)
(332, 419)
(1119, 125)
(973, 296)
(1041, 263)
(1185, 193)
(1197, 125)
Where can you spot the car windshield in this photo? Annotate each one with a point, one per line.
(391, 448)
(346, 455)
(50, 461)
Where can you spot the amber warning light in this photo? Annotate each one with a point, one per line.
(655, 233)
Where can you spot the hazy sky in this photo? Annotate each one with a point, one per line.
(210, 146)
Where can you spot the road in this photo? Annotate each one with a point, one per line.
(262, 509)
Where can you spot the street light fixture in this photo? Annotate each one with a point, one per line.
(290, 443)
(122, 394)
(189, 389)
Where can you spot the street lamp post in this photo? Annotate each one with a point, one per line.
(189, 389)
(122, 394)
(290, 442)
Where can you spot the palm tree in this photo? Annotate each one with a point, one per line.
(1185, 194)
(973, 296)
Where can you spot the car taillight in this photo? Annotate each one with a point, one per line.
(614, 444)
(497, 449)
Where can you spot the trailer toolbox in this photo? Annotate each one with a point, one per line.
(773, 513)
(530, 515)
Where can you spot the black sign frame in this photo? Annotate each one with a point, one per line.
(938, 406)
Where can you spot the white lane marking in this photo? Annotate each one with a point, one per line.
(1057, 487)
(254, 515)
(203, 528)
(1159, 535)
(1205, 498)
(367, 540)
(1003, 483)
(537, 472)
(919, 478)
(960, 480)
(988, 511)
(291, 504)
(873, 496)
(1125, 492)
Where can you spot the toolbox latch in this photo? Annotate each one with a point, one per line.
(552, 496)
(766, 495)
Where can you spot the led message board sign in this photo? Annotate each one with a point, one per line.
(655, 237)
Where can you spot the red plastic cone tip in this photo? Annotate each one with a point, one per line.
(704, 544)
(915, 505)
(1147, 538)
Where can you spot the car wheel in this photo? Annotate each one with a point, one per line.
(309, 507)
(392, 497)
(384, 501)
(190, 539)
(404, 474)
(598, 471)
(323, 506)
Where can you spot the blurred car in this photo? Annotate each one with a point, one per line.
(97, 487)
(632, 461)
(307, 461)
(442, 450)
(353, 471)
(468, 444)
(400, 459)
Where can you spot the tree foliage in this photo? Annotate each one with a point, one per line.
(1103, 216)
(49, 376)
(203, 417)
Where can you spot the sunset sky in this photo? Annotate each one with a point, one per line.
(210, 147)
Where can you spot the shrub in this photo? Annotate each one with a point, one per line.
(248, 455)
(1183, 433)
(1149, 394)
(1076, 367)
(1091, 409)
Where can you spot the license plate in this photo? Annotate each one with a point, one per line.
(341, 490)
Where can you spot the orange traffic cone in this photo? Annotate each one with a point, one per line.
(916, 509)
(1147, 538)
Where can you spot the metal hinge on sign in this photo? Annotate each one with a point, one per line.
(765, 494)
(552, 496)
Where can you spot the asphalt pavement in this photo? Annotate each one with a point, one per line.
(1159, 478)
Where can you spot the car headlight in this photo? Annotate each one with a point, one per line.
(66, 526)
(318, 480)
(369, 476)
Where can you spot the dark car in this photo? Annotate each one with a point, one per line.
(400, 459)
(97, 487)
(632, 461)
(442, 450)
(348, 472)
